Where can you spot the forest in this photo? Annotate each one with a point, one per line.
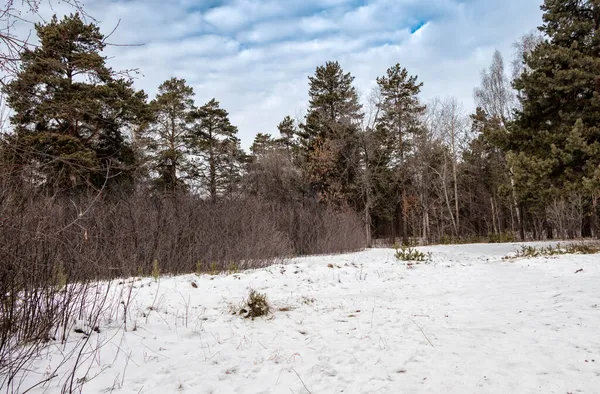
(524, 165)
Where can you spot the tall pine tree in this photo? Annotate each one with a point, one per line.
(218, 147)
(400, 113)
(329, 136)
(555, 142)
(71, 111)
(168, 140)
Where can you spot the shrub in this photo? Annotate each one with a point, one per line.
(54, 247)
(529, 251)
(505, 237)
(408, 253)
(257, 304)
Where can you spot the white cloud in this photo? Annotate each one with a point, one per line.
(255, 56)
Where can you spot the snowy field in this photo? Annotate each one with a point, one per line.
(468, 322)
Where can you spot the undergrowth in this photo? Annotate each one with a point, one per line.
(529, 251)
(506, 237)
(410, 254)
(257, 305)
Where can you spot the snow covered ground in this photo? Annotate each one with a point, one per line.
(468, 322)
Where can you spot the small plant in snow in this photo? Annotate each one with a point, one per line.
(408, 253)
(213, 269)
(233, 268)
(256, 305)
(528, 251)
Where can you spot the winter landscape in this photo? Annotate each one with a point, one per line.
(465, 321)
(300, 196)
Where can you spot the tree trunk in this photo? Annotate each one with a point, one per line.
(595, 217)
(456, 203)
(213, 176)
(494, 226)
(368, 226)
(588, 217)
(548, 226)
(403, 232)
(521, 222)
(447, 198)
(518, 208)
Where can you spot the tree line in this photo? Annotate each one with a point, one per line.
(525, 164)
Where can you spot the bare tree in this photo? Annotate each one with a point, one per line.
(495, 94)
(454, 126)
(497, 98)
(522, 47)
(368, 147)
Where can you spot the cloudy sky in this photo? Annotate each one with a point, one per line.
(255, 56)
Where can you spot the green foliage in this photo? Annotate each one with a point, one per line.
(505, 237)
(168, 139)
(555, 140)
(155, 270)
(257, 304)
(215, 141)
(233, 268)
(71, 110)
(398, 126)
(329, 136)
(408, 253)
(288, 132)
(264, 143)
(529, 251)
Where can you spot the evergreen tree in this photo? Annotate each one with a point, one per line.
(233, 164)
(263, 143)
(215, 142)
(400, 113)
(555, 144)
(71, 111)
(168, 139)
(287, 131)
(329, 137)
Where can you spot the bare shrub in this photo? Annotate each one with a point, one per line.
(54, 250)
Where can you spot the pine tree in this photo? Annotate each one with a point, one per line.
(233, 165)
(215, 142)
(329, 137)
(71, 111)
(168, 139)
(400, 113)
(288, 131)
(556, 137)
(262, 144)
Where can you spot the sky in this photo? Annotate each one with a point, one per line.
(255, 56)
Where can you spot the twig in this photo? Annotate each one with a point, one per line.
(306, 388)
(423, 332)
(372, 313)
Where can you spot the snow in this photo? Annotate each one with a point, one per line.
(467, 322)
